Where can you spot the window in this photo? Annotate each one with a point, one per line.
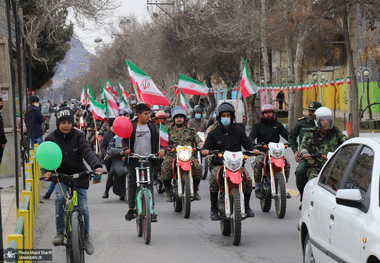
(332, 174)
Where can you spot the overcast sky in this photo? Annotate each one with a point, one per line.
(137, 8)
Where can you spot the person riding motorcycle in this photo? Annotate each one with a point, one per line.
(80, 114)
(160, 118)
(127, 113)
(298, 130)
(267, 130)
(180, 134)
(168, 112)
(189, 114)
(198, 123)
(231, 137)
(324, 138)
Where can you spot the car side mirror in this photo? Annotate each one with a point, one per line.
(349, 197)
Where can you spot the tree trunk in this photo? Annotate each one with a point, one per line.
(354, 83)
(211, 99)
(264, 50)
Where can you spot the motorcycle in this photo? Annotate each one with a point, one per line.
(202, 160)
(273, 182)
(231, 179)
(157, 180)
(182, 188)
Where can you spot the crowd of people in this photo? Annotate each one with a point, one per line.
(313, 133)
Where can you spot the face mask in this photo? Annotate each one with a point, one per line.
(167, 115)
(189, 117)
(36, 104)
(197, 116)
(89, 110)
(225, 121)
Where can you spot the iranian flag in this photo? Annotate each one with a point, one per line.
(112, 110)
(97, 109)
(124, 104)
(326, 83)
(90, 93)
(108, 85)
(164, 137)
(247, 87)
(83, 96)
(191, 86)
(123, 93)
(337, 81)
(147, 90)
(348, 80)
(184, 102)
(332, 83)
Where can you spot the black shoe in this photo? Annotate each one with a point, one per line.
(153, 218)
(259, 194)
(288, 195)
(46, 196)
(121, 198)
(249, 212)
(214, 215)
(105, 195)
(130, 215)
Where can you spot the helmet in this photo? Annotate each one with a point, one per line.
(223, 107)
(130, 112)
(133, 102)
(167, 108)
(323, 113)
(155, 108)
(179, 111)
(198, 109)
(267, 108)
(160, 117)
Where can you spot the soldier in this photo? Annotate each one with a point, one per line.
(231, 137)
(324, 138)
(298, 130)
(179, 134)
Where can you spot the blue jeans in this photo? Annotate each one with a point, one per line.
(60, 204)
(38, 140)
(51, 188)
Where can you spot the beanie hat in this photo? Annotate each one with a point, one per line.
(64, 114)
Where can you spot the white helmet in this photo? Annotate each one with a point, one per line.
(155, 108)
(323, 113)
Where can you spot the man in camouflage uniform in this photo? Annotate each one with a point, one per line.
(298, 130)
(324, 138)
(179, 134)
(231, 137)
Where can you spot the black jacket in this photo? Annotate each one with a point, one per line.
(33, 121)
(74, 148)
(268, 132)
(3, 139)
(106, 140)
(231, 140)
(154, 138)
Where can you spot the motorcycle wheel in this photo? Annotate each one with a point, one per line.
(186, 199)
(266, 203)
(236, 217)
(204, 168)
(160, 187)
(225, 227)
(280, 199)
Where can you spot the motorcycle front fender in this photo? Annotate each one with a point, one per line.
(186, 166)
(235, 177)
(277, 162)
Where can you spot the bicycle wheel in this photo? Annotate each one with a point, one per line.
(77, 238)
(146, 216)
(236, 217)
(280, 199)
(186, 199)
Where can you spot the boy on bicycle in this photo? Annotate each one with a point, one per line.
(143, 141)
(74, 148)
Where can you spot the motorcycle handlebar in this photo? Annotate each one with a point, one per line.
(314, 156)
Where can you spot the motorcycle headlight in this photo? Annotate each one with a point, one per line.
(184, 156)
(233, 165)
(277, 153)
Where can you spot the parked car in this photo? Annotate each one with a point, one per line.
(340, 219)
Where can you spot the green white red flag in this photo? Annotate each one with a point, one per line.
(184, 102)
(147, 90)
(122, 92)
(164, 136)
(89, 92)
(348, 80)
(112, 110)
(83, 96)
(247, 87)
(96, 107)
(191, 86)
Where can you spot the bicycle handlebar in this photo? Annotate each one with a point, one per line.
(70, 176)
(138, 156)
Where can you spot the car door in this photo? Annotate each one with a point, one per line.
(346, 222)
(322, 199)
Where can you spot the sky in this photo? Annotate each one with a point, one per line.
(128, 8)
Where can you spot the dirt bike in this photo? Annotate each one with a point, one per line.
(273, 182)
(231, 179)
(182, 188)
(202, 160)
(313, 171)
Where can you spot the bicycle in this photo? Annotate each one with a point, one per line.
(144, 198)
(74, 238)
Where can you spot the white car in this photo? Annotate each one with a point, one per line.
(340, 219)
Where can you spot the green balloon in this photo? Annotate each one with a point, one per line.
(49, 155)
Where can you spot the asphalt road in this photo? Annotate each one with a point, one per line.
(265, 238)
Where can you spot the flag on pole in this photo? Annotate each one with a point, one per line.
(164, 137)
(247, 87)
(184, 102)
(123, 104)
(108, 85)
(89, 92)
(191, 86)
(83, 96)
(97, 109)
(148, 91)
(123, 93)
(112, 110)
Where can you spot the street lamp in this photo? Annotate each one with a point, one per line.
(318, 76)
(367, 72)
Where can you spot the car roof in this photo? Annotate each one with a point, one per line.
(373, 140)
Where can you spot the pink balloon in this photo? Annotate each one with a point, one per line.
(122, 127)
